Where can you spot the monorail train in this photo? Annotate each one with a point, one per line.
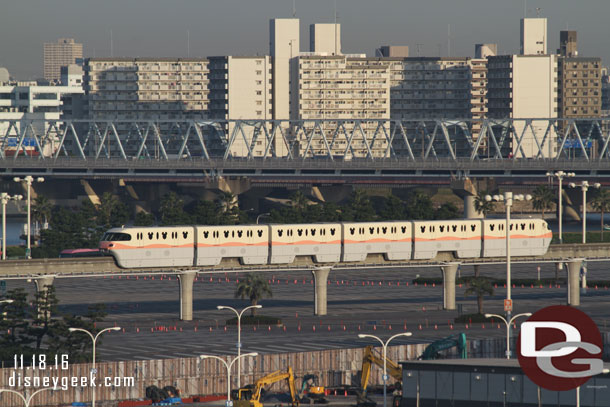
(187, 246)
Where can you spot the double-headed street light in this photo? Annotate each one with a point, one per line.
(560, 175)
(239, 314)
(584, 186)
(228, 366)
(261, 215)
(28, 400)
(94, 339)
(29, 180)
(508, 324)
(385, 370)
(508, 198)
(4, 199)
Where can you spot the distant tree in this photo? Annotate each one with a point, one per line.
(360, 208)
(172, 210)
(144, 219)
(542, 199)
(254, 287)
(14, 325)
(393, 208)
(479, 287)
(44, 308)
(447, 210)
(78, 344)
(419, 207)
(601, 203)
(481, 205)
(41, 209)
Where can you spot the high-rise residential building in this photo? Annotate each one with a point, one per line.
(325, 38)
(401, 51)
(284, 48)
(605, 92)
(27, 104)
(533, 36)
(485, 50)
(344, 88)
(568, 44)
(61, 53)
(524, 87)
(580, 87)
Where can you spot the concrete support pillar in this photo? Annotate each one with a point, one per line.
(449, 271)
(186, 294)
(573, 277)
(469, 209)
(320, 276)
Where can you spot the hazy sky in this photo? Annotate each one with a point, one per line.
(240, 27)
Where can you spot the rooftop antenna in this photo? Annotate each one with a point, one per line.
(449, 40)
(524, 8)
(538, 9)
(418, 47)
(111, 45)
(188, 43)
(294, 8)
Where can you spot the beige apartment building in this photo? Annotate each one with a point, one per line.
(524, 87)
(61, 53)
(580, 87)
(343, 88)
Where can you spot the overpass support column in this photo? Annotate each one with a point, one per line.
(320, 276)
(449, 271)
(573, 286)
(186, 294)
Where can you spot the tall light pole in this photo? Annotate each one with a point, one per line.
(4, 199)
(508, 324)
(29, 180)
(27, 401)
(239, 314)
(385, 370)
(508, 198)
(584, 186)
(261, 215)
(94, 339)
(228, 366)
(560, 175)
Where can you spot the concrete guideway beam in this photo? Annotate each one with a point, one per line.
(320, 276)
(186, 279)
(449, 271)
(574, 266)
(43, 282)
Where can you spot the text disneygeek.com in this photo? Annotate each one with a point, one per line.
(16, 380)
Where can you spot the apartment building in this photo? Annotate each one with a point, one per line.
(523, 87)
(580, 87)
(343, 88)
(61, 53)
(533, 36)
(33, 110)
(605, 93)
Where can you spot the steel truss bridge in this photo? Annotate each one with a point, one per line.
(320, 149)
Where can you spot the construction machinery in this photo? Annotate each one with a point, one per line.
(311, 391)
(433, 350)
(250, 396)
(368, 359)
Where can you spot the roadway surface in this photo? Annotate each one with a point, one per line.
(358, 302)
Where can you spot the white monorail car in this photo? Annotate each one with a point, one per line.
(184, 246)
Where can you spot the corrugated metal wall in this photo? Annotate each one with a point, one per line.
(194, 377)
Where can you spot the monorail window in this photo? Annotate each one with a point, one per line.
(116, 237)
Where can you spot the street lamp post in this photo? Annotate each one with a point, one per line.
(508, 324)
(27, 401)
(94, 339)
(29, 180)
(239, 314)
(261, 215)
(560, 175)
(4, 199)
(228, 366)
(6, 301)
(604, 371)
(385, 371)
(584, 186)
(508, 198)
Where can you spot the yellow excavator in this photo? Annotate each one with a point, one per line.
(250, 396)
(368, 359)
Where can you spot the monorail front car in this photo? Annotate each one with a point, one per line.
(186, 246)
